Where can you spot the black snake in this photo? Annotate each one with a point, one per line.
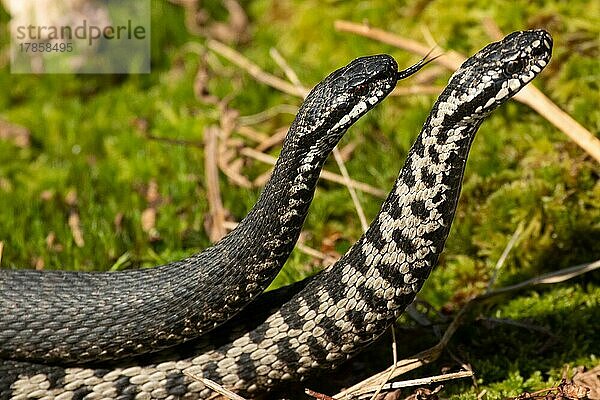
(338, 312)
(58, 316)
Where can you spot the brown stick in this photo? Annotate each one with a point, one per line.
(530, 95)
(215, 387)
(216, 229)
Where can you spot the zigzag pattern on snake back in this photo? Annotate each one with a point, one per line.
(68, 317)
(344, 308)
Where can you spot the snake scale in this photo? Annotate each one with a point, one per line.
(336, 313)
(66, 317)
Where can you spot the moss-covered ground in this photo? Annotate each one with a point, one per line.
(88, 155)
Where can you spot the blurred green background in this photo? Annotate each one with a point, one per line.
(75, 151)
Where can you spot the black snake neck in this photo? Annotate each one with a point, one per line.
(68, 317)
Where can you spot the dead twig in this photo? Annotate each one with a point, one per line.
(450, 59)
(215, 227)
(418, 382)
(326, 259)
(254, 70)
(251, 133)
(287, 70)
(235, 177)
(267, 114)
(272, 140)
(529, 95)
(381, 387)
(215, 387)
(317, 395)
(589, 379)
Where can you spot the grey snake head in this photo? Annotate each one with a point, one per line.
(502, 68)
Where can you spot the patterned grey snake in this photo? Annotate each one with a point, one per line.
(333, 315)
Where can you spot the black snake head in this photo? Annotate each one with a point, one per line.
(343, 97)
(494, 74)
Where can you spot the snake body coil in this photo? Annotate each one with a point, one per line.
(344, 308)
(57, 316)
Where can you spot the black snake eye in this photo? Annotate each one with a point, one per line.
(361, 90)
(514, 67)
(537, 51)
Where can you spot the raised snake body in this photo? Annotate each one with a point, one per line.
(344, 308)
(74, 317)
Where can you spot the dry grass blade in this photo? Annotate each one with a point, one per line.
(433, 353)
(1, 251)
(381, 387)
(289, 72)
(254, 70)
(545, 279)
(326, 259)
(417, 382)
(273, 140)
(401, 367)
(529, 95)
(327, 175)
(347, 182)
(216, 229)
(251, 133)
(412, 90)
(513, 239)
(267, 114)
(216, 387)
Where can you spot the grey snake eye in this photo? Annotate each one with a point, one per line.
(514, 67)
